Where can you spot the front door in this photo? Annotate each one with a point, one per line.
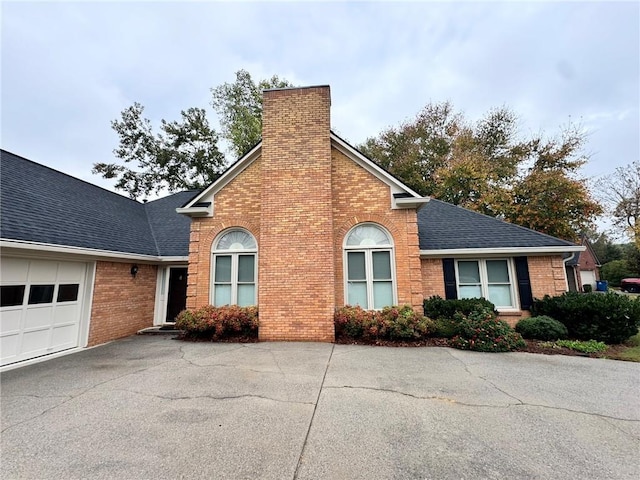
(177, 298)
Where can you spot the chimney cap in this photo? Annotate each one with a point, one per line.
(295, 88)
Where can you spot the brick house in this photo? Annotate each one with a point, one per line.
(300, 225)
(583, 268)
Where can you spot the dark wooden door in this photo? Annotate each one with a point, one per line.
(177, 296)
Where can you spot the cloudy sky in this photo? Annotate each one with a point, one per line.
(69, 68)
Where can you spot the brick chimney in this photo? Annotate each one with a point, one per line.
(296, 292)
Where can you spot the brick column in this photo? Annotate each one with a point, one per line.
(296, 270)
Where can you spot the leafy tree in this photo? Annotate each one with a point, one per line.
(183, 156)
(486, 167)
(239, 107)
(621, 193)
(615, 271)
(605, 249)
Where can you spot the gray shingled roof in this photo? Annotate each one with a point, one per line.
(39, 204)
(444, 226)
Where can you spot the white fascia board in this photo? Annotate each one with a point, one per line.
(396, 185)
(36, 247)
(196, 211)
(233, 171)
(410, 202)
(510, 251)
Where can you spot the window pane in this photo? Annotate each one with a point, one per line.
(11, 295)
(469, 272)
(40, 294)
(223, 268)
(222, 295)
(236, 240)
(500, 295)
(470, 291)
(246, 268)
(382, 294)
(368, 235)
(357, 294)
(246, 295)
(497, 271)
(355, 267)
(68, 293)
(381, 265)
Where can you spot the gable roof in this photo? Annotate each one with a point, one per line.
(446, 229)
(403, 196)
(41, 205)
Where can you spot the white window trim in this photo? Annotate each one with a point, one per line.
(368, 257)
(235, 254)
(484, 282)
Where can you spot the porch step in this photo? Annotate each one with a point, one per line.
(166, 329)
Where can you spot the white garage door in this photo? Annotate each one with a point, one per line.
(40, 307)
(588, 278)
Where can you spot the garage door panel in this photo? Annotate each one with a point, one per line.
(38, 317)
(14, 270)
(35, 342)
(9, 346)
(71, 272)
(65, 336)
(65, 314)
(11, 321)
(42, 271)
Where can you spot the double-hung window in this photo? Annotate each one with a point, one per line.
(490, 279)
(234, 269)
(369, 269)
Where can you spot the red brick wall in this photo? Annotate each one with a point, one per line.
(295, 261)
(547, 276)
(122, 304)
(236, 205)
(432, 277)
(360, 197)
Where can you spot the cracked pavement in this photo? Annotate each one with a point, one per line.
(150, 407)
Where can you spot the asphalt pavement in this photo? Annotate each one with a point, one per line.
(150, 407)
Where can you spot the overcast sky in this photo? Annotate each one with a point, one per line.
(70, 68)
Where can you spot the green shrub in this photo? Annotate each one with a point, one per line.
(219, 322)
(391, 323)
(438, 308)
(482, 331)
(606, 317)
(541, 328)
(590, 346)
(445, 328)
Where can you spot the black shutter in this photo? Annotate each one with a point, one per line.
(524, 283)
(450, 290)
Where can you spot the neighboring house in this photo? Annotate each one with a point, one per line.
(300, 225)
(583, 268)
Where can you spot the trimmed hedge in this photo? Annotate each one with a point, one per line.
(391, 323)
(214, 323)
(541, 328)
(607, 317)
(438, 308)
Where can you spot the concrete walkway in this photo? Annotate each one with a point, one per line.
(149, 407)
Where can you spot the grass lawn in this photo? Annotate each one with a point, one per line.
(630, 352)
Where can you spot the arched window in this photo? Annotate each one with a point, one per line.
(233, 269)
(369, 268)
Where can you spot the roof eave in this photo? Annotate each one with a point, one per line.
(483, 252)
(411, 202)
(6, 244)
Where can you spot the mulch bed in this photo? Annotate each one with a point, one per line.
(533, 346)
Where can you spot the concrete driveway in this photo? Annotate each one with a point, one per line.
(155, 408)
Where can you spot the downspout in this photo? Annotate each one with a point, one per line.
(566, 281)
